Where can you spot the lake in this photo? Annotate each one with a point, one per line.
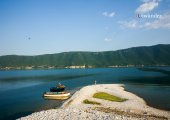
(21, 90)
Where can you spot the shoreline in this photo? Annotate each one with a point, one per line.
(8, 68)
(74, 108)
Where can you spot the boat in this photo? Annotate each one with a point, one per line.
(56, 95)
(58, 88)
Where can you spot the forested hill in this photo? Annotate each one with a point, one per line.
(152, 55)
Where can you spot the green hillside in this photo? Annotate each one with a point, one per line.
(152, 55)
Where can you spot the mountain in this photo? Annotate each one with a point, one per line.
(146, 55)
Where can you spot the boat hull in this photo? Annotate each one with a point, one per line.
(55, 98)
(56, 95)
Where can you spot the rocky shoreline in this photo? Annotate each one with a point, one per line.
(134, 108)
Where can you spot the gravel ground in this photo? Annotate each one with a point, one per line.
(134, 108)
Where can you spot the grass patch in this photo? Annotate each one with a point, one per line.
(106, 96)
(86, 101)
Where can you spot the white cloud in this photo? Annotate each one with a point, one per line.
(151, 0)
(107, 39)
(160, 23)
(107, 14)
(147, 7)
(129, 24)
(152, 21)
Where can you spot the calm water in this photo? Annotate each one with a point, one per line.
(21, 90)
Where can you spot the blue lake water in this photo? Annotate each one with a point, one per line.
(21, 90)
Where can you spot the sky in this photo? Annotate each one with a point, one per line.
(35, 27)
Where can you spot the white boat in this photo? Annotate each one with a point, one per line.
(56, 95)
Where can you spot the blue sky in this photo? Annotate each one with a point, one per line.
(55, 26)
